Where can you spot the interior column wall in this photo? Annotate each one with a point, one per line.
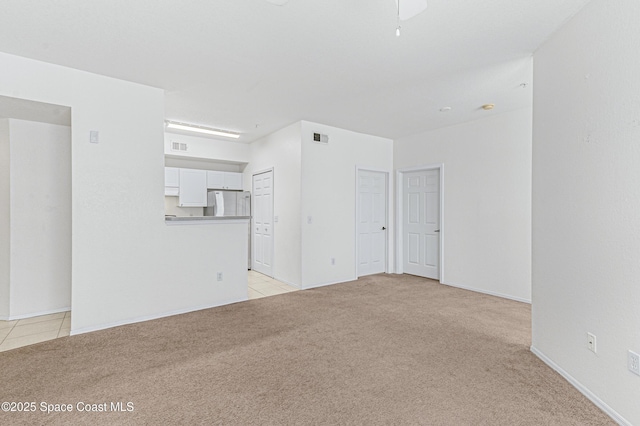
(329, 199)
(586, 199)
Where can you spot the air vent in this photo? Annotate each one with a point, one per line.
(178, 146)
(320, 138)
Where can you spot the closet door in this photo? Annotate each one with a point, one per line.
(262, 223)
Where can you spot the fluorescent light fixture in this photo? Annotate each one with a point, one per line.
(200, 129)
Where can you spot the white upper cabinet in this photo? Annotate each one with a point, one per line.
(224, 180)
(193, 188)
(171, 181)
(233, 181)
(215, 180)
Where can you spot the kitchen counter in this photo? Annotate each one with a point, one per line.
(202, 220)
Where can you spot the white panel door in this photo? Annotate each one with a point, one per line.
(262, 223)
(372, 222)
(421, 223)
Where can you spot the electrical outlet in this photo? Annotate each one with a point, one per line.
(219, 276)
(591, 342)
(633, 362)
(333, 261)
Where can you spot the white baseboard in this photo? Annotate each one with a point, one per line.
(490, 293)
(155, 316)
(328, 283)
(286, 282)
(583, 390)
(35, 314)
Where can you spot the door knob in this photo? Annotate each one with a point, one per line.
(383, 228)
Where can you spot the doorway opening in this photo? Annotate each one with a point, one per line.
(35, 222)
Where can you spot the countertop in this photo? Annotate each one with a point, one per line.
(207, 219)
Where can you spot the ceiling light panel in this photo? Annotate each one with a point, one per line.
(201, 129)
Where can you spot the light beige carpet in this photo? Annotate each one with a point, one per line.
(380, 350)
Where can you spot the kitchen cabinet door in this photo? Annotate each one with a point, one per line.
(233, 181)
(193, 188)
(171, 181)
(215, 180)
(224, 180)
(172, 177)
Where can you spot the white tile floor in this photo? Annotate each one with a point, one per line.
(14, 334)
(262, 286)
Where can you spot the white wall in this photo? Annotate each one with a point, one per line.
(209, 148)
(5, 234)
(329, 197)
(127, 264)
(282, 151)
(190, 163)
(487, 199)
(586, 199)
(40, 204)
(171, 207)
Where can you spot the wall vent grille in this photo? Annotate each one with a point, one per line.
(178, 146)
(320, 138)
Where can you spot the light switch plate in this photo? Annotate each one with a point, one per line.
(634, 362)
(591, 343)
(94, 136)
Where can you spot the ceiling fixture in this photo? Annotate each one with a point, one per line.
(398, 18)
(410, 8)
(488, 107)
(201, 129)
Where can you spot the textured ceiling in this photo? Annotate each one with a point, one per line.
(254, 67)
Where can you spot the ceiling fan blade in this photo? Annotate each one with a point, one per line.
(278, 2)
(410, 8)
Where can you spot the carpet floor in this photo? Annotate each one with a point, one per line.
(384, 349)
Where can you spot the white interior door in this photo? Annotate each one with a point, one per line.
(421, 223)
(262, 223)
(372, 222)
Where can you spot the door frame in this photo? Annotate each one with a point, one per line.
(400, 217)
(273, 227)
(387, 178)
